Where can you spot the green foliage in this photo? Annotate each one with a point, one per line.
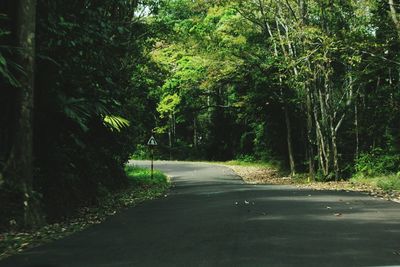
(216, 80)
(236, 65)
(377, 162)
(385, 182)
(92, 98)
(115, 122)
(388, 183)
(168, 105)
(142, 177)
(5, 71)
(246, 158)
(141, 152)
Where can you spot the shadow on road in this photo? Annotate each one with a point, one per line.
(210, 218)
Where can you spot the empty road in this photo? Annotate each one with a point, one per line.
(210, 218)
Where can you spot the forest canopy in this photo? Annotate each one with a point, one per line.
(312, 85)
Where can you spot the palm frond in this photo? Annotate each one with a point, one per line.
(115, 123)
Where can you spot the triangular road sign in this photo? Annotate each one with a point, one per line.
(152, 141)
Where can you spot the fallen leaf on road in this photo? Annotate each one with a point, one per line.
(263, 175)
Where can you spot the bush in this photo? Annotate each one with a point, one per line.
(246, 158)
(377, 162)
(141, 152)
(390, 183)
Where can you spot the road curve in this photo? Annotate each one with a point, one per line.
(211, 218)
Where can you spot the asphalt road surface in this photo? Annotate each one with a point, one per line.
(210, 218)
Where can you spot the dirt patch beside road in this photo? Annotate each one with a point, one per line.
(260, 175)
(265, 175)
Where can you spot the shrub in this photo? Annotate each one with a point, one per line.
(141, 152)
(246, 158)
(391, 182)
(377, 162)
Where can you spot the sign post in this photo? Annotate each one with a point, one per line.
(152, 143)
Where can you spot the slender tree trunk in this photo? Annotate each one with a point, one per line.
(195, 133)
(356, 129)
(303, 11)
(311, 167)
(19, 167)
(285, 108)
(289, 141)
(323, 149)
(302, 4)
(170, 137)
(173, 128)
(323, 158)
(335, 153)
(394, 16)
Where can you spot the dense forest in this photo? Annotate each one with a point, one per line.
(312, 85)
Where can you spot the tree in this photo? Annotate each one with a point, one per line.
(86, 71)
(19, 170)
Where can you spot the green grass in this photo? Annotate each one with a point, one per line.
(387, 182)
(142, 177)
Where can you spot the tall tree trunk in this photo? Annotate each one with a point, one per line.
(173, 128)
(195, 132)
(287, 55)
(320, 132)
(394, 16)
(356, 129)
(289, 141)
(303, 11)
(170, 128)
(311, 166)
(335, 153)
(19, 167)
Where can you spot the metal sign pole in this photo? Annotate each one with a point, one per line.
(152, 143)
(152, 161)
